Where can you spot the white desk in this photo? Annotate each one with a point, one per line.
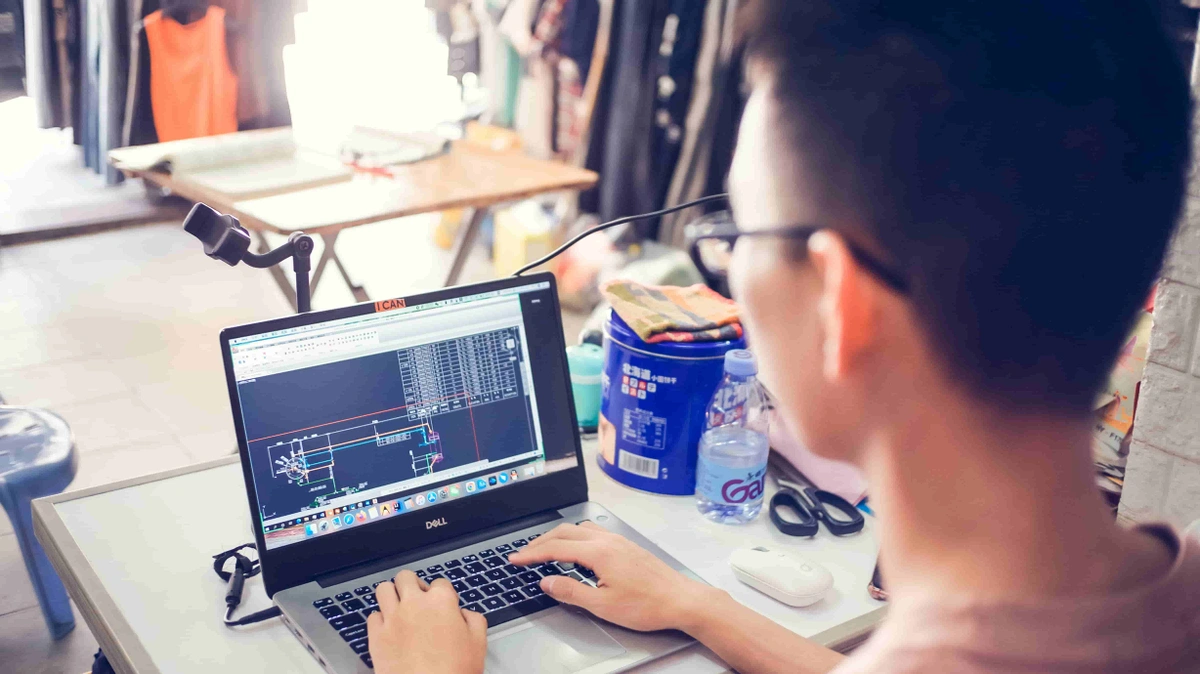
(136, 558)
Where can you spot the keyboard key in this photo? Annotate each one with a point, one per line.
(322, 603)
(343, 621)
(344, 596)
(359, 646)
(513, 570)
(566, 566)
(436, 568)
(501, 616)
(533, 536)
(504, 547)
(477, 580)
(549, 569)
(475, 567)
(432, 577)
(520, 543)
(369, 610)
(420, 573)
(353, 633)
(529, 606)
(331, 611)
(460, 586)
(377, 583)
(472, 595)
(475, 607)
(530, 577)
(467, 559)
(504, 555)
(495, 574)
(511, 583)
(585, 572)
(366, 658)
(492, 589)
(484, 554)
(493, 603)
(353, 605)
(494, 562)
(371, 600)
(533, 590)
(513, 597)
(455, 574)
(454, 563)
(365, 589)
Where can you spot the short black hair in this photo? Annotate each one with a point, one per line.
(1021, 161)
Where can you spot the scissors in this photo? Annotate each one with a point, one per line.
(810, 506)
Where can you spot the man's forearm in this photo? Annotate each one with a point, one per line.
(749, 642)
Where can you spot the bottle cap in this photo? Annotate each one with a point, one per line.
(741, 362)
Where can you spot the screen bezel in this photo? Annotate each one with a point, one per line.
(306, 560)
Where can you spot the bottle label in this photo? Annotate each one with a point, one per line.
(730, 486)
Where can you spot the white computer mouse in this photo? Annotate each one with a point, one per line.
(793, 580)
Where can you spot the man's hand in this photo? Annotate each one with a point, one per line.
(636, 589)
(419, 629)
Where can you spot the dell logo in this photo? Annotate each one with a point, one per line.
(441, 521)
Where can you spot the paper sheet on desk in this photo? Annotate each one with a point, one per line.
(838, 477)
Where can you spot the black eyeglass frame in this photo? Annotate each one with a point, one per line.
(729, 233)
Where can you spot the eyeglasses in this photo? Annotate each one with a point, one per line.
(711, 241)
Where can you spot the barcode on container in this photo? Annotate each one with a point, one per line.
(638, 465)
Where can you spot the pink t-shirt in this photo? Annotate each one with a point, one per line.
(1152, 629)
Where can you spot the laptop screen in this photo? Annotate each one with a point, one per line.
(355, 420)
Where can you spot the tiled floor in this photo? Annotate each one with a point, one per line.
(117, 332)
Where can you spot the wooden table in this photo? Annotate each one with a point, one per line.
(467, 176)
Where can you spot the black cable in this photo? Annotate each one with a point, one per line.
(619, 221)
(243, 568)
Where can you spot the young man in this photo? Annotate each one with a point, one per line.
(992, 158)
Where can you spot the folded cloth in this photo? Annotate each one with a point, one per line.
(672, 313)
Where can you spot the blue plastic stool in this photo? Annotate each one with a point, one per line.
(37, 458)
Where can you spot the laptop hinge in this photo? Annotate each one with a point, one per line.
(375, 566)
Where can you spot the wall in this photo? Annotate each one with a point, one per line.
(1162, 478)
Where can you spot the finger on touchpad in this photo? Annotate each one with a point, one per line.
(559, 644)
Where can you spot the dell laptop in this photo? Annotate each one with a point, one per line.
(434, 433)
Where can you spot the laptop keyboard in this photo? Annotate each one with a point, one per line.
(484, 580)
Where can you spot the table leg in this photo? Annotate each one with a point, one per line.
(330, 255)
(277, 273)
(464, 242)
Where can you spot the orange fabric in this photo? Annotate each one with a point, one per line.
(193, 91)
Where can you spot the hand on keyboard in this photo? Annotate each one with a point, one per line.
(635, 588)
(420, 628)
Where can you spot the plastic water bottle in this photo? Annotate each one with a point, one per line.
(732, 467)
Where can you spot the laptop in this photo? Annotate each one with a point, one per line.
(434, 433)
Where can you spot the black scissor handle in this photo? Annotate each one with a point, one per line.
(790, 498)
(851, 520)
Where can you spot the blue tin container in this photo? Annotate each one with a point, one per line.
(652, 406)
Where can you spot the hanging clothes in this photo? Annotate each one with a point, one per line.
(655, 52)
(690, 178)
(193, 91)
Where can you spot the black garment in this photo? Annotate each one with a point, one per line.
(580, 21)
(652, 61)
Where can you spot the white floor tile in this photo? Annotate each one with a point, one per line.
(16, 592)
(112, 422)
(26, 646)
(61, 383)
(129, 461)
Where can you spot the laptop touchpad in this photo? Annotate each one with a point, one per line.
(560, 644)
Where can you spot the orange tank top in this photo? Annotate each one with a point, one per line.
(193, 91)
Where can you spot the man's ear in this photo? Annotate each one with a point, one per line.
(846, 308)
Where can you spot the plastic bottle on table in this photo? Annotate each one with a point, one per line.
(732, 465)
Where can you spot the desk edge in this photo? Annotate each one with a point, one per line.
(849, 635)
(112, 632)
